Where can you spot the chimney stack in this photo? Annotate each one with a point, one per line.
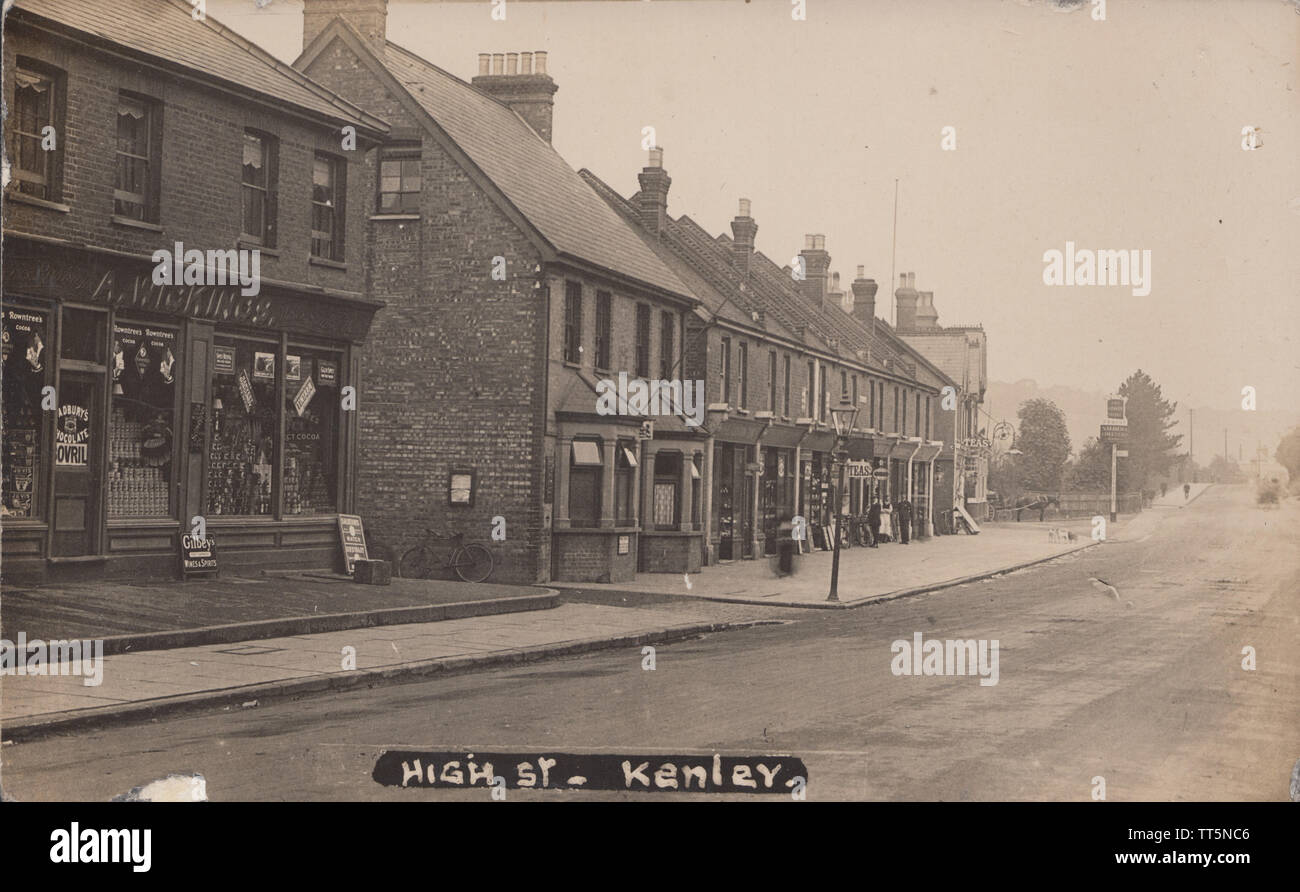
(520, 81)
(368, 17)
(743, 230)
(864, 299)
(816, 263)
(905, 299)
(926, 315)
(653, 205)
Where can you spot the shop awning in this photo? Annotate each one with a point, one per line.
(628, 456)
(861, 449)
(904, 449)
(927, 451)
(783, 436)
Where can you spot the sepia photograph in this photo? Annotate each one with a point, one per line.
(857, 402)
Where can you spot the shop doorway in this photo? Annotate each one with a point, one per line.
(79, 435)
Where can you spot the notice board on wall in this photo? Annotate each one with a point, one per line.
(352, 535)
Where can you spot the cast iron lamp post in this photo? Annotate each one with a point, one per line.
(844, 416)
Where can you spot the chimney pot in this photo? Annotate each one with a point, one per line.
(484, 63)
(498, 63)
(744, 207)
(819, 242)
(656, 157)
(525, 63)
(862, 270)
(540, 58)
(512, 63)
(527, 91)
(808, 242)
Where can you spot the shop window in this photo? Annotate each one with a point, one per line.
(586, 467)
(668, 479)
(696, 483)
(604, 328)
(244, 426)
(327, 191)
(311, 430)
(260, 176)
(26, 333)
(643, 340)
(142, 422)
(624, 491)
(139, 158)
(39, 93)
(399, 180)
(572, 322)
(83, 335)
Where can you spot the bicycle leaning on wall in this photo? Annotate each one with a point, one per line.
(447, 551)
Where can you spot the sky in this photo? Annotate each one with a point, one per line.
(1115, 134)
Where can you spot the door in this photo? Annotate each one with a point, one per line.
(78, 437)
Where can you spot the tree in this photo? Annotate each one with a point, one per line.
(1045, 442)
(1288, 453)
(1091, 470)
(1224, 471)
(1150, 446)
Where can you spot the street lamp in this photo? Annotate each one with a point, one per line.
(843, 416)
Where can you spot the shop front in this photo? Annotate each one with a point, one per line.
(922, 487)
(134, 411)
(778, 480)
(735, 528)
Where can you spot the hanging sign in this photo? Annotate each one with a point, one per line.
(246, 390)
(302, 399)
(352, 536)
(858, 469)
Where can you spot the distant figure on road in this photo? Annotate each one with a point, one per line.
(1187, 490)
(873, 522)
(1163, 488)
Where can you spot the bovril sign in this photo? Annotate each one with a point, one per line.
(72, 435)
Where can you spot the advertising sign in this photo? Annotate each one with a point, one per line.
(352, 535)
(1114, 433)
(72, 435)
(198, 556)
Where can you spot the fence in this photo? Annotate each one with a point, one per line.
(1076, 504)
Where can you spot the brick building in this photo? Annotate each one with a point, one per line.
(135, 401)
(777, 353)
(961, 351)
(511, 290)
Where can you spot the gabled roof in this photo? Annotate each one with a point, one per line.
(526, 171)
(166, 31)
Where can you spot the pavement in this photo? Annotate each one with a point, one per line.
(1174, 498)
(264, 651)
(1155, 700)
(866, 575)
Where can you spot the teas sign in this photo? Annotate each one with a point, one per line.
(72, 435)
(198, 555)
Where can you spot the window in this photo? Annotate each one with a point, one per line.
(880, 385)
(744, 375)
(643, 340)
(726, 370)
(917, 414)
(572, 322)
(786, 405)
(399, 180)
(927, 418)
(810, 394)
(824, 403)
(666, 364)
(139, 158)
(244, 426)
(871, 389)
(38, 103)
(903, 429)
(260, 175)
(311, 430)
(327, 190)
(696, 478)
(586, 467)
(855, 391)
(624, 474)
(668, 478)
(895, 428)
(604, 327)
(26, 373)
(844, 384)
(771, 381)
(142, 421)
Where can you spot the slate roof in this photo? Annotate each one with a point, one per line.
(166, 30)
(565, 210)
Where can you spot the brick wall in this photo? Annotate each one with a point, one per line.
(202, 157)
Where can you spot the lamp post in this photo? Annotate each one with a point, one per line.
(844, 416)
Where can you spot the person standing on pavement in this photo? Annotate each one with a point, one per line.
(873, 522)
(904, 513)
(1187, 490)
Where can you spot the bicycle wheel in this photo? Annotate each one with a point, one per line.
(472, 563)
(416, 563)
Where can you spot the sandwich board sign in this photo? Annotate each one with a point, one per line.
(352, 536)
(198, 556)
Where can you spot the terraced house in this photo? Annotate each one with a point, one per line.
(778, 352)
(511, 290)
(136, 400)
